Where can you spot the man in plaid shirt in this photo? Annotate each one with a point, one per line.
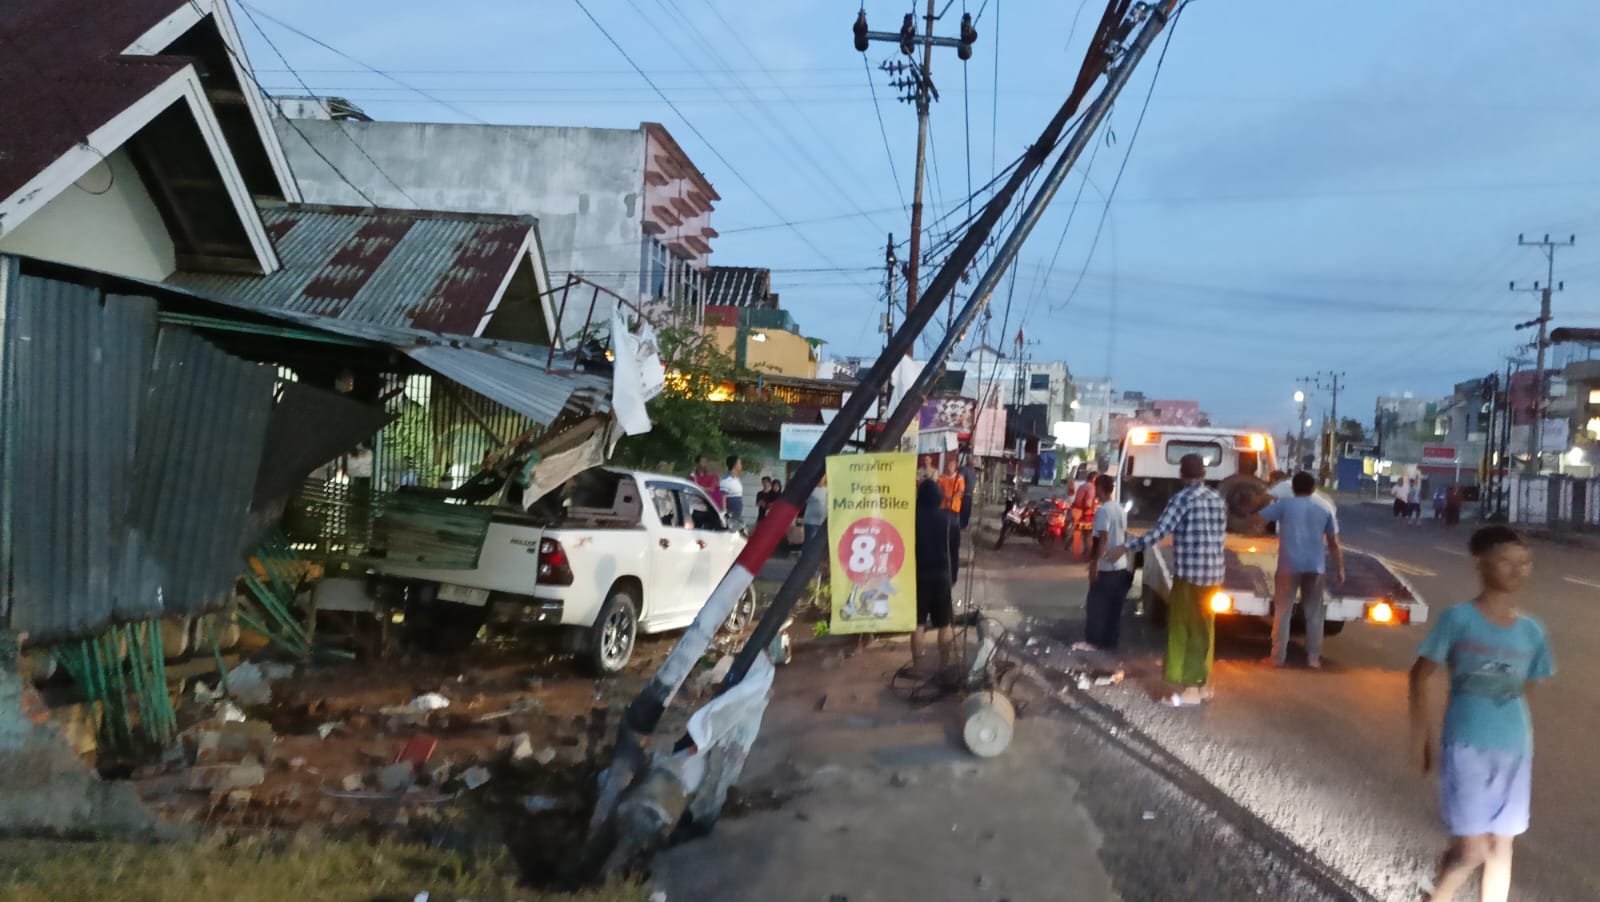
(1197, 519)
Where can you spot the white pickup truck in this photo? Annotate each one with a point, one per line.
(608, 555)
(1241, 462)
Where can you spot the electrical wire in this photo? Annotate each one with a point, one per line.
(899, 191)
(806, 240)
(370, 68)
(244, 66)
(994, 94)
(1172, 29)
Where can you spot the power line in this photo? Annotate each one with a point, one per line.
(994, 96)
(244, 66)
(899, 191)
(698, 134)
(1127, 155)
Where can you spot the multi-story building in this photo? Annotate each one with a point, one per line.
(626, 209)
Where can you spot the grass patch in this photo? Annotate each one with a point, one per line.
(261, 870)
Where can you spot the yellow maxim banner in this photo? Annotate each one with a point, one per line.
(871, 524)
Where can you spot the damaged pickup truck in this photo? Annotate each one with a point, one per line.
(606, 556)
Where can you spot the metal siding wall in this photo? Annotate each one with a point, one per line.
(73, 371)
(200, 439)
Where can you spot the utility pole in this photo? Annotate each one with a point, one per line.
(1548, 248)
(1333, 430)
(889, 263)
(1306, 382)
(921, 92)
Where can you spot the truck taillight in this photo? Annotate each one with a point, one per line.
(554, 570)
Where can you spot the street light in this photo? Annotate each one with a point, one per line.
(1308, 423)
(1299, 397)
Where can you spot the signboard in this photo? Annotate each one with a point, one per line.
(1438, 452)
(989, 437)
(954, 413)
(795, 440)
(871, 530)
(1554, 436)
(1071, 434)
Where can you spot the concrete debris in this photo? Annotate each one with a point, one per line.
(475, 776)
(353, 783)
(248, 685)
(545, 755)
(429, 701)
(517, 707)
(521, 748)
(326, 729)
(901, 779)
(439, 774)
(229, 712)
(1149, 815)
(226, 777)
(203, 695)
(296, 763)
(397, 777)
(1109, 679)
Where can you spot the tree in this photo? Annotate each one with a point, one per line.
(686, 419)
(1352, 431)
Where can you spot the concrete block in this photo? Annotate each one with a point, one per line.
(226, 777)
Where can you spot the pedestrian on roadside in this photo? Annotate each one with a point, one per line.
(1084, 503)
(732, 485)
(1452, 505)
(1197, 520)
(1402, 497)
(707, 480)
(969, 480)
(1469, 715)
(1414, 502)
(763, 499)
(1304, 528)
(1109, 581)
(935, 579)
(954, 489)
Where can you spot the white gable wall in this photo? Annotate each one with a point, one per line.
(104, 221)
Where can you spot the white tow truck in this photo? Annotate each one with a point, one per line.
(608, 555)
(1239, 464)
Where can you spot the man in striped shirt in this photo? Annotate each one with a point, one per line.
(1197, 520)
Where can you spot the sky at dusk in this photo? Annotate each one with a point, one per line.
(1315, 186)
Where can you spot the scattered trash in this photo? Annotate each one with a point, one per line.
(276, 670)
(326, 729)
(1032, 641)
(248, 685)
(353, 783)
(296, 763)
(901, 779)
(420, 897)
(517, 707)
(439, 774)
(239, 798)
(545, 756)
(203, 695)
(429, 701)
(1110, 679)
(475, 776)
(397, 777)
(1084, 682)
(1149, 815)
(658, 896)
(521, 748)
(418, 750)
(229, 712)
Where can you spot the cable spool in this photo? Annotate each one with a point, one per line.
(987, 721)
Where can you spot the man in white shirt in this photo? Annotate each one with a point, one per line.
(1402, 498)
(732, 486)
(1109, 580)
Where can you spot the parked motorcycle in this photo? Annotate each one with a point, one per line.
(1020, 517)
(1053, 512)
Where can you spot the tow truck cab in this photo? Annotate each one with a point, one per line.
(1148, 476)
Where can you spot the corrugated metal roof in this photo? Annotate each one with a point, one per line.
(413, 268)
(74, 373)
(200, 438)
(129, 459)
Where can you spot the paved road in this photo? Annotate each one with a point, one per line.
(1322, 756)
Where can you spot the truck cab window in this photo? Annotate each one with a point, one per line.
(1210, 452)
(700, 513)
(665, 501)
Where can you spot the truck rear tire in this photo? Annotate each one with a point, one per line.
(614, 631)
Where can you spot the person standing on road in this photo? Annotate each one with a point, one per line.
(954, 489)
(1082, 512)
(1197, 520)
(1469, 715)
(1414, 502)
(707, 480)
(969, 480)
(1109, 581)
(732, 486)
(1303, 528)
(763, 499)
(1401, 497)
(935, 578)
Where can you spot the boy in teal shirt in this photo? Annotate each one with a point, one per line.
(1477, 732)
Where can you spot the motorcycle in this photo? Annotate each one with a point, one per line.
(1021, 517)
(1055, 522)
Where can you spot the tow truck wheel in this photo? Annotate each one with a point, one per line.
(614, 631)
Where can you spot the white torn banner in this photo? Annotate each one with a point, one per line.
(629, 380)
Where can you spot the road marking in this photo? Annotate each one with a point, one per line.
(1408, 569)
(1582, 582)
(1455, 551)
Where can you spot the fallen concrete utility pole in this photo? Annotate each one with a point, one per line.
(645, 712)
